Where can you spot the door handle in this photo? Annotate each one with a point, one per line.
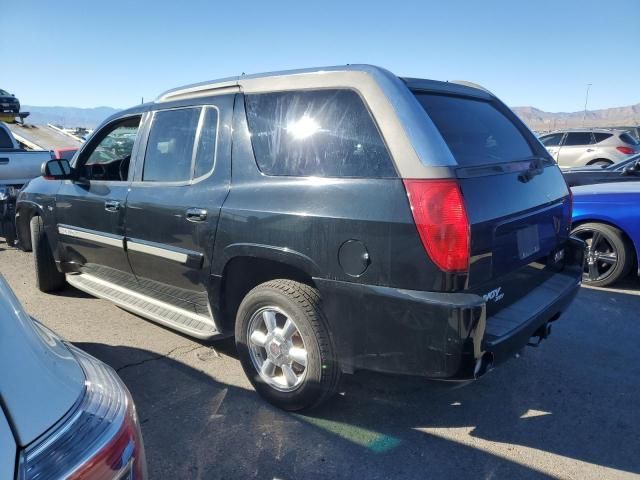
(4, 161)
(590, 150)
(112, 205)
(196, 214)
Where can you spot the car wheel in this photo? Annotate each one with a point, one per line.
(284, 345)
(608, 257)
(48, 277)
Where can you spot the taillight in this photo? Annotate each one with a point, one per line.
(99, 439)
(626, 150)
(441, 219)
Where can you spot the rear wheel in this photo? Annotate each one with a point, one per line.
(48, 277)
(284, 345)
(608, 256)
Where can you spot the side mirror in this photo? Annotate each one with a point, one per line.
(56, 170)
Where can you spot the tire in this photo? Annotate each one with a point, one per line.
(287, 300)
(48, 277)
(610, 245)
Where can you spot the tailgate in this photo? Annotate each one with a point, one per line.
(517, 202)
(17, 168)
(514, 222)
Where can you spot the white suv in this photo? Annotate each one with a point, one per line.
(571, 148)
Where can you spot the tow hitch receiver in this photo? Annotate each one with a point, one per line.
(540, 334)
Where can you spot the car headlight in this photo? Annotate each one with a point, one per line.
(98, 439)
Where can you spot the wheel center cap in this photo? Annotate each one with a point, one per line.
(274, 349)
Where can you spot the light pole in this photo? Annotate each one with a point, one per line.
(586, 99)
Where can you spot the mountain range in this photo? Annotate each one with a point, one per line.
(541, 121)
(69, 117)
(535, 118)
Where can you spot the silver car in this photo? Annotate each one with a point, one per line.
(571, 148)
(63, 414)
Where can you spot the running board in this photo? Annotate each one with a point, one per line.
(157, 311)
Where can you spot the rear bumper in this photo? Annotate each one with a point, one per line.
(439, 335)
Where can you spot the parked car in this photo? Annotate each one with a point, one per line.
(607, 218)
(364, 226)
(17, 167)
(64, 414)
(625, 171)
(8, 102)
(64, 153)
(572, 148)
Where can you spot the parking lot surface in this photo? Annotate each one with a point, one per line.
(568, 409)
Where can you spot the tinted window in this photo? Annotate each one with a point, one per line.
(109, 159)
(325, 133)
(169, 153)
(626, 138)
(5, 140)
(599, 136)
(206, 151)
(577, 138)
(551, 140)
(475, 130)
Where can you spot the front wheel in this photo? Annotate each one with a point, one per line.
(284, 345)
(608, 257)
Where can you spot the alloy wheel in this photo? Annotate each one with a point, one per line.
(600, 254)
(277, 349)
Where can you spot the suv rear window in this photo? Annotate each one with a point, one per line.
(320, 133)
(476, 132)
(627, 138)
(600, 137)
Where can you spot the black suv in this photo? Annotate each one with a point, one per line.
(332, 219)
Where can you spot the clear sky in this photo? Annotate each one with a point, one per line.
(540, 53)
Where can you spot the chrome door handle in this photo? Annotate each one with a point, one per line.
(590, 150)
(112, 206)
(196, 214)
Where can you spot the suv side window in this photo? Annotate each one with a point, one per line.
(169, 153)
(110, 157)
(578, 138)
(207, 142)
(600, 137)
(323, 133)
(552, 140)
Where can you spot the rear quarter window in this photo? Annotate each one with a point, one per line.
(601, 137)
(323, 133)
(475, 130)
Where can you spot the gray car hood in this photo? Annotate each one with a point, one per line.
(40, 380)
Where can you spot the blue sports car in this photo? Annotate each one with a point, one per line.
(607, 218)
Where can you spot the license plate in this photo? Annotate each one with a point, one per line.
(528, 241)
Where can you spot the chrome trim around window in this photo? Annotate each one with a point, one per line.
(179, 257)
(92, 236)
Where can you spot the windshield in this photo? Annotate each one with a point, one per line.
(476, 131)
(4, 93)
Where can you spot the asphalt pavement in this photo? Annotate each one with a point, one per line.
(567, 409)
